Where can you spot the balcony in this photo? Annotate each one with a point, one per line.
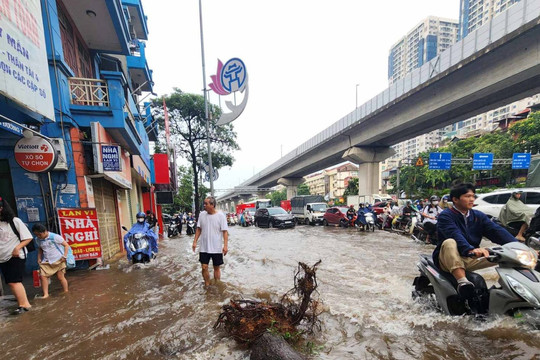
(103, 100)
(101, 24)
(138, 25)
(140, 73)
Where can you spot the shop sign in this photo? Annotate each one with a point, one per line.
(35, 154)
(12, 128)
(110, 155)
(79, 227)
(24, 69)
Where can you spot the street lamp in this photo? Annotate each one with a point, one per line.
(356, 96)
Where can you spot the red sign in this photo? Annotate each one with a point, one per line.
(35, 154)
(79, 227)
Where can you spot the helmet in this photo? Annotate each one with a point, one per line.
(434, 198)
(446, 197)
(140, 214)
(517, 192)
(367, 204)
(408, 202)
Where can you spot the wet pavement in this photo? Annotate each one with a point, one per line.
(162, 311)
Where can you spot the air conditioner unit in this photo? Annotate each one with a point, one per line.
(61, 164)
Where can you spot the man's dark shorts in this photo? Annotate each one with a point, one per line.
(217, 259)
(13, 270)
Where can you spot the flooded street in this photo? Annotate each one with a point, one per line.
(162, 310)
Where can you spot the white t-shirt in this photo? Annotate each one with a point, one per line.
(9, 240)
(51, 253)
(432, 211)
(212, 227)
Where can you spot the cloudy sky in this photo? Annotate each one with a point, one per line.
(304, 59)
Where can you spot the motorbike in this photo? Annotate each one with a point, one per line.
(403, 224)
(172, 230)
(420, 234)
(517, 292)
(190, 227)
(138, 246)
(248, 220)
(370, 221)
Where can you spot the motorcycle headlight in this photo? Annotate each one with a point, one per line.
(526, 257)
(143, 244)
(138, 235)
(522, 291)
(132, 247)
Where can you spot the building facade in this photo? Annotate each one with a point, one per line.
(421, 44)
(86, 75)
(475, 13)
(332, 182)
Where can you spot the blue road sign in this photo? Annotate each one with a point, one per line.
(440, 161)
(482, 161)
(521, 161)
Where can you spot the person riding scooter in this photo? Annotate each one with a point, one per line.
(431, 213)
(516, 214)
(141, 227)
(408, 215)
(177, 220)
(351, 213)
(361, 219)
(460, 231)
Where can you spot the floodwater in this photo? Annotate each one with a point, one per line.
(162, 311)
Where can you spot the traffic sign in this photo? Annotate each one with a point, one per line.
(35, 154)
(440, 161)
(521, 161)
(419, 162)
(482, 161)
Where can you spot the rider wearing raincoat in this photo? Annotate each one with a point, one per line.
(141, 226)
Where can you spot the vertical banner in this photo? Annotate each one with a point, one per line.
(79, 227)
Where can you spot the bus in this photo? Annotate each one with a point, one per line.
(251, 206)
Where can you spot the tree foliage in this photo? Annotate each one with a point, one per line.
(523, 136)
(303, 189)
(189, 136)
(277, 196)
(352, 187)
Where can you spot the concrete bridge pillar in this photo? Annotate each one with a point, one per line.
(368, 159)
(291, 184)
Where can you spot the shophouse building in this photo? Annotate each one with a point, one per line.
(86, 61)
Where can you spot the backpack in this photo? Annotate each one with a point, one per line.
(70, 260)
(31, 246)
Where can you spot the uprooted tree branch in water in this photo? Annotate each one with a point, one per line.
(247, 320)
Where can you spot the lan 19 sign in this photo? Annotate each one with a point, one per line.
(79, 227)
(35, 154)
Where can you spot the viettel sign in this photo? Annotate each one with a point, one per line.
(35, 154)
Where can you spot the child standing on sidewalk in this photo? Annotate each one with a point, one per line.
(52, 255)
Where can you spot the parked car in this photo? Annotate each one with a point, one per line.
(274, 217)
(336, 215)
(492, 202)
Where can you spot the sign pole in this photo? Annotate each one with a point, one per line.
(211, 169)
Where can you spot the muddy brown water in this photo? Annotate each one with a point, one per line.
(162, 311)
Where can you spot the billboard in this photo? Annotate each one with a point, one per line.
(24, 69)
(79, 227)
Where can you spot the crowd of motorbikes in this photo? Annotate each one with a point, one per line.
(177, 221)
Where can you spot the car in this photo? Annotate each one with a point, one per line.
(491, 203)
(378, 207)
(336, 215)
(166, 218)
(274, 217)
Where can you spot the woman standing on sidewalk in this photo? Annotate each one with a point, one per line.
(13, 254)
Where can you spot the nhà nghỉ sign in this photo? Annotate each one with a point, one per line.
(79, 227)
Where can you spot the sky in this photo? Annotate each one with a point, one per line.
(309, 62)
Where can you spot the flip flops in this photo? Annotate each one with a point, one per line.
(20, 310)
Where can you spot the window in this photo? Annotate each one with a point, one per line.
(532, 198)
(503, 198)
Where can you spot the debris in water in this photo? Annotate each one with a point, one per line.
(246, 320)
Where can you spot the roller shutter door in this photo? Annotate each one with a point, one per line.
(105, 197)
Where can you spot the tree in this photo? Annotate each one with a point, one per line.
(277, 196)
(189, 136)
(527, 133)
(303, 189)
(352, 187)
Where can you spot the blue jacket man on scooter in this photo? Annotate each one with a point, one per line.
(460, 231)
(141, 226)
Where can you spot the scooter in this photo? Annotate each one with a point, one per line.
(420, 234)
(172, 230)
(190, 227)
(403, 224)
(517, 292)
(138, 246)
(370, 221)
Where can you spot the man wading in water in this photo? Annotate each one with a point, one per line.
(211, 228)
